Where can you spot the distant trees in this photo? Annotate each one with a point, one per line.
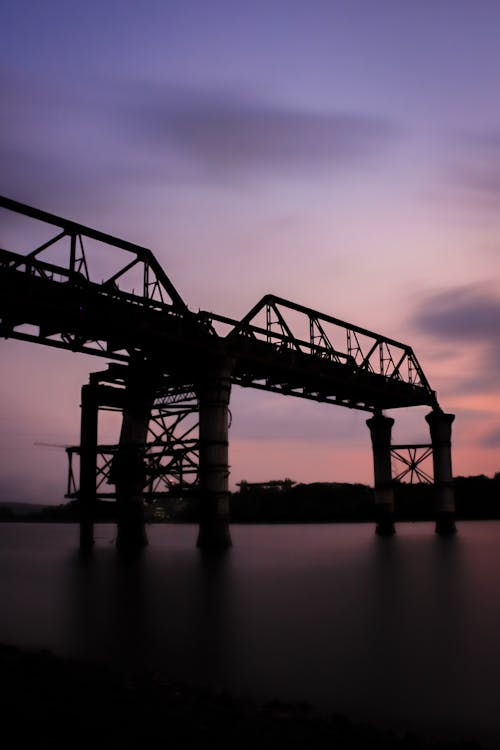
(476, 497)
(6, 514)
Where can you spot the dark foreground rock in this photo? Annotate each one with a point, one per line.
(49, 702)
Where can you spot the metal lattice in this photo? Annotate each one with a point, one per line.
(409, 460)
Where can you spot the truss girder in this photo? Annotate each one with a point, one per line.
(156, 284)
(357, 348)
(278, 346)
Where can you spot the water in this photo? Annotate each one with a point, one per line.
(401, 631)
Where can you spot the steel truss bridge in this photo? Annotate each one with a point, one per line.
(170, 369)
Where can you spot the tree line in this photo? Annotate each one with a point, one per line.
(476, 497)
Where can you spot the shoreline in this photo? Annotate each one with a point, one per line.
(59, 701)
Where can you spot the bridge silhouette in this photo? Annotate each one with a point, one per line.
(170, 372)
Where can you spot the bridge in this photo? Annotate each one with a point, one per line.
(170, 371)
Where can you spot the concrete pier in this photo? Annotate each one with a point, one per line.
(128, 467)
(380, 431)
(214, 393)
(88, 452)
(440, 429)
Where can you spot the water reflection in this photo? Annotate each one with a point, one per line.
(402, 629)
(167, 611)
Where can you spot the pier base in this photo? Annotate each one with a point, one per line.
(440, 429)
(214, 394)
(380, 431)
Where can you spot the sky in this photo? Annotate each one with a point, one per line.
(344, 155)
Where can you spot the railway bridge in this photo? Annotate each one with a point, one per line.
(170, 371)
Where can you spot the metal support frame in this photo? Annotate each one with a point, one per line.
(279, 346)
(409, 459)
(439, 452)
(169, 455)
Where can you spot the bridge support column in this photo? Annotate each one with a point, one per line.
(214, 394)
(380, 431)
(128, 467)
(440, 429)
(88, 457)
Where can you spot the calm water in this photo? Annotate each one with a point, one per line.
(405, 630)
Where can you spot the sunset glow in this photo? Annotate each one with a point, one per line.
(345, 156)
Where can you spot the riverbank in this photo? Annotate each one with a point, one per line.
(58, 702)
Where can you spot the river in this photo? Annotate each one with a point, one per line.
(402, 632)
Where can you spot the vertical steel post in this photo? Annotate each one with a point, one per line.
(440, 429)
(214, 394)
(88, 458)
(380, 431)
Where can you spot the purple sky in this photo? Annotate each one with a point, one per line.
(343, 155)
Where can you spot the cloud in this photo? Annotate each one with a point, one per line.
(491, 439)
(468, 317)
(474, 173)
(49, 151)
(63, 147)
(468, 313)
(232, 135)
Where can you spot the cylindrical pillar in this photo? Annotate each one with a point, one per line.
(380, 431)
(128, 466)
(214, 394)
(88, 458)
(440, 429)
